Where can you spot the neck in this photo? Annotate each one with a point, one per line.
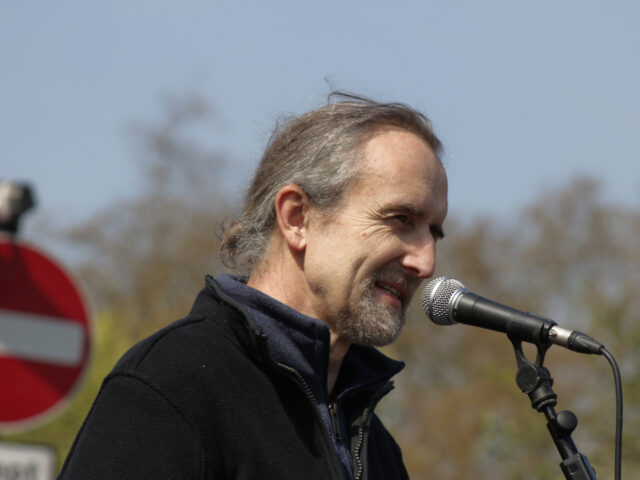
(338, 349)
(276, 279)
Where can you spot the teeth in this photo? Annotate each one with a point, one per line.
(391, 290)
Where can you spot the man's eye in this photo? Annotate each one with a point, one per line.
(400, 219)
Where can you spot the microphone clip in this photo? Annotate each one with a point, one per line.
(535, 380)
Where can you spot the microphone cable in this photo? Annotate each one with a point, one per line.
(618, 387)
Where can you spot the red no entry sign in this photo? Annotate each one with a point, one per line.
(44, 334)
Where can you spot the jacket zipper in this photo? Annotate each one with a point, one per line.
(307, 391)
(358, 467)
(333, 413)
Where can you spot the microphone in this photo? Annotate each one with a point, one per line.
(447, 301)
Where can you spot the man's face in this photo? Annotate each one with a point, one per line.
(364, 262)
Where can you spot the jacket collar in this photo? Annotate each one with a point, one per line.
(302, 342)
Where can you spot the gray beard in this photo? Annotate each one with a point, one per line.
(368, 322)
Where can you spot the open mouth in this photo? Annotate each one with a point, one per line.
(393, 291)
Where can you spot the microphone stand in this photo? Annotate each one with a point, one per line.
(535, 380)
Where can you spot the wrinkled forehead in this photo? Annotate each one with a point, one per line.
(393, 155)
(398, 168)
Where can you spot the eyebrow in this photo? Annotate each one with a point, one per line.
(405, 208)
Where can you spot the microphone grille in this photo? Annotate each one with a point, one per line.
(436, 297)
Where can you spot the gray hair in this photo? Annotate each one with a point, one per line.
(316, 151)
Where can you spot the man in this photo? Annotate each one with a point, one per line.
(273, 375)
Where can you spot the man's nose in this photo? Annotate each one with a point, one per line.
(420, 257)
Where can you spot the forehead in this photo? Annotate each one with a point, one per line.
(398, 166)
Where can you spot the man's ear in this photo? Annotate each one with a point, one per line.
(292, 206)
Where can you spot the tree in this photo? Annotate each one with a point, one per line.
(147, 255)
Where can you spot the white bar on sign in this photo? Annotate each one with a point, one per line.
(33, 462)
(40, 338)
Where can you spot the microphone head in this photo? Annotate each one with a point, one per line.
(436, 297)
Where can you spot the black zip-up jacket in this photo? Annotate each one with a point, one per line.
(204, 399)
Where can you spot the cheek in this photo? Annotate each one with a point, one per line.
(328, 261)
(381, 248)
(350, 256)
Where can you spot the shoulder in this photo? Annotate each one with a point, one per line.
(384, 453)
(214, 329)
(197, 357)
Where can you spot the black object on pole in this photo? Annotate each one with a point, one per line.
(535, 380)
(15, 200)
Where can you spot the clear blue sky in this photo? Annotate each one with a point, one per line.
(525, 95)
